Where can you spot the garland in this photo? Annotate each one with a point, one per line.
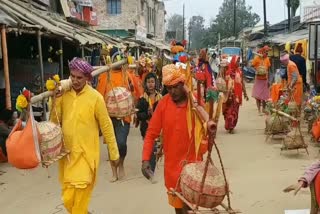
(24, 98)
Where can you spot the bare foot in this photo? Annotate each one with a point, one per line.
(114, 174)
(114, 179)
(121, 172)
(231, 131)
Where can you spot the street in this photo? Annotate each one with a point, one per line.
(256, 170)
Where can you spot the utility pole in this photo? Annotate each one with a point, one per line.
(265, 18)
(183, 24)
(189, 39)
(289, 15)
(234, 17)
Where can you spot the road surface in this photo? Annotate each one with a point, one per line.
(256, 170)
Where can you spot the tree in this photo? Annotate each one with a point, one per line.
(294, 4)
(210, 36)
(223, 23)
(175, 24)
(196, 31)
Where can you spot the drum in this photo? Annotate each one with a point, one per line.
(214, 189)
(120, 102)
(50, 140)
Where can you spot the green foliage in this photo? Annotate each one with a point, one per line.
(294, 4)
(196, 31)
(223, 23)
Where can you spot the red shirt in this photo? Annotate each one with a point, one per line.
(171, 119)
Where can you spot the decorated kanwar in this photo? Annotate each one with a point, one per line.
(116, 87)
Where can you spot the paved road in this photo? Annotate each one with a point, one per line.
(256, 170)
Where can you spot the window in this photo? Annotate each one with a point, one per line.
(114, 7)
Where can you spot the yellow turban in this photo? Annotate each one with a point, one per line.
(171, 75)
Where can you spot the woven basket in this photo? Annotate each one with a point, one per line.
(214, 189)
(221, 84)
(120, 103)
(294, 142)
(276, 125)
(292, 106)
(261, 71)
(50, 140)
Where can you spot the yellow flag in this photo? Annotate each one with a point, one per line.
(199, 130)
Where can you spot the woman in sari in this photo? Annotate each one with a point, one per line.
(236, 87)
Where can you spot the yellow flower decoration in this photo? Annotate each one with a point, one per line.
(56, 78)
(50, 85)
(130, 60)
(22, 101)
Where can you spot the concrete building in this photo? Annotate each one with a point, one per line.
(129, 18)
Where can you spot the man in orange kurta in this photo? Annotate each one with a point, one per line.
(170, 117)
(295, 83)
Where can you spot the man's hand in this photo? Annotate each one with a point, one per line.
(115, 162)
(295, 187)
(150, 111)
(59, 91)
(146, 169)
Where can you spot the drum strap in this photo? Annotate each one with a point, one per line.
(54, 108)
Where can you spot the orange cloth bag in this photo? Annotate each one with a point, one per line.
(23, 145)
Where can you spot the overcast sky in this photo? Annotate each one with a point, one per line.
(276, 10)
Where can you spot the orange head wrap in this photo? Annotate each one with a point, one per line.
(171, 75)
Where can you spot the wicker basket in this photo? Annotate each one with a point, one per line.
(292, 106)
(214, 189)
(120, 103)
(276, 124)
(50, 140)
(293, 141)
(261, 71)
(221, 84)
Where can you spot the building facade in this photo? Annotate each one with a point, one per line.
(131, 18)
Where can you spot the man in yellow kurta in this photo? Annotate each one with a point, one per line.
(82, 113)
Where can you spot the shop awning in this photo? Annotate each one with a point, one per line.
(289, 37)
(154, 43)
(18, 15)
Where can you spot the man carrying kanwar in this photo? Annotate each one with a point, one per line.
(295, 82)
(117, 77)
(82, 113)
(180, 140)
(260, 90)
